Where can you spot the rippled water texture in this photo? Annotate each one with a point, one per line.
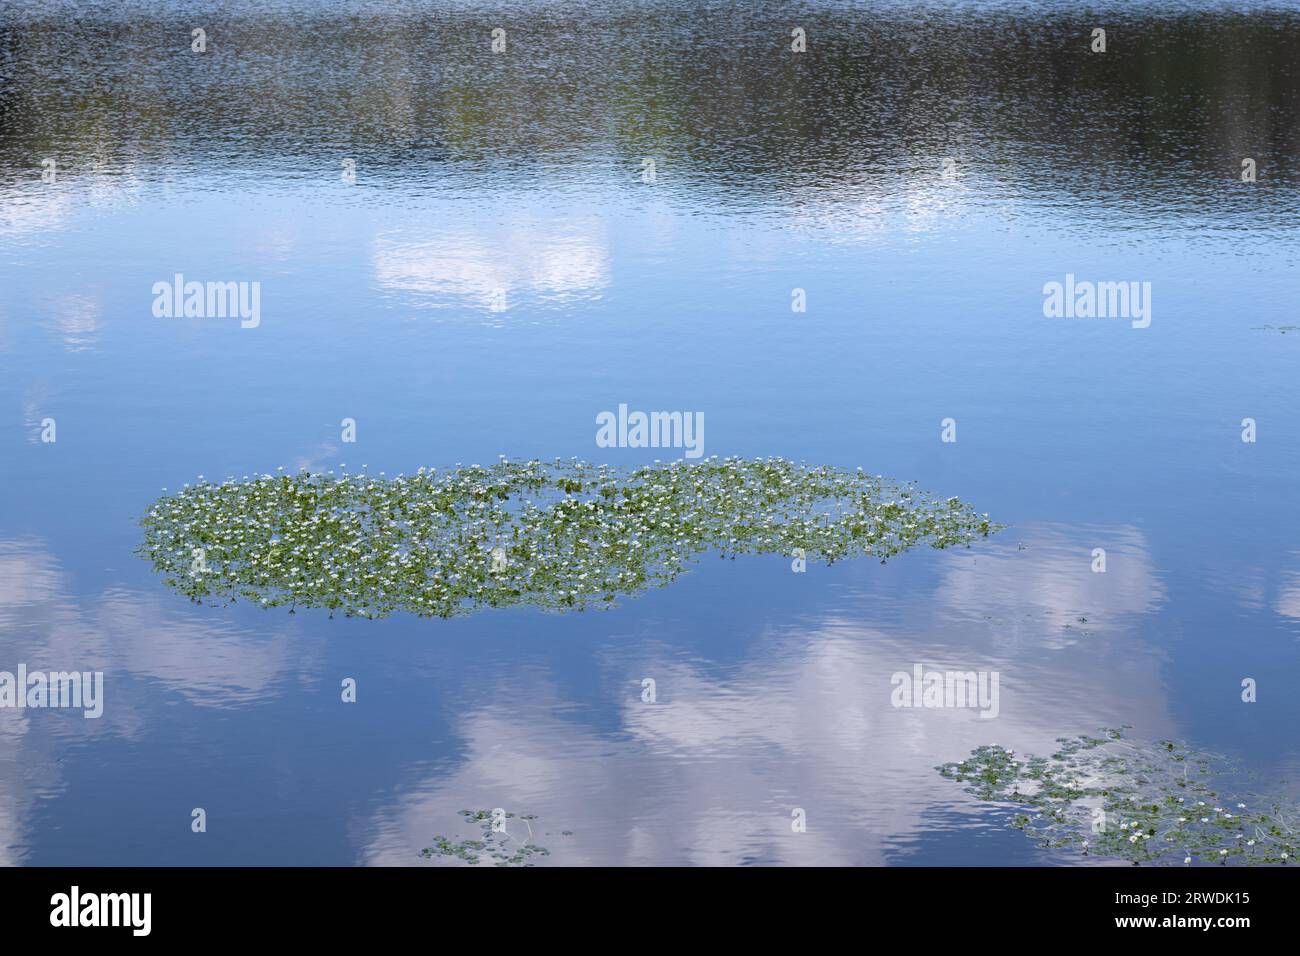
(500, 272)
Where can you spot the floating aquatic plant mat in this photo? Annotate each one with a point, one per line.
(557, 535)
(501, 839)
(1146, 803)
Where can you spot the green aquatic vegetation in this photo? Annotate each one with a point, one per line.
(1146, 803)
(562, 535)
(496, 840)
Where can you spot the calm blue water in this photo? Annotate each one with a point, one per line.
(522, 172)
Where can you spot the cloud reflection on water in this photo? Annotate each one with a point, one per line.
(710, 772)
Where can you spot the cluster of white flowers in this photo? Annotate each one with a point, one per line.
(1147, 786)
(561, 534)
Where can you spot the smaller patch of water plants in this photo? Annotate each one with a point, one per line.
(1108, 796)
(563, 535)
(497, 841)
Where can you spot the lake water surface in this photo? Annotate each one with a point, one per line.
(517, 179)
